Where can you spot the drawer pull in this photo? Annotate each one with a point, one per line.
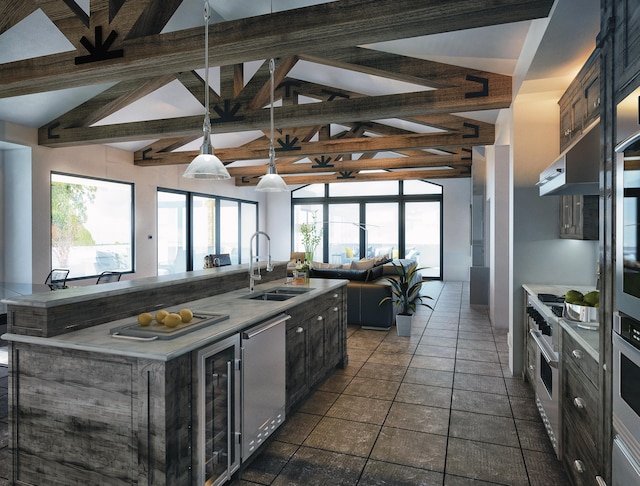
(531, 368)
(579, 466)
(299, 330)
(335, 296)
(319, 318)
(576, 353)
(600, 480)
(579, 403)
(335, 309)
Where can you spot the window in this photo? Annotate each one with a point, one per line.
(172, 232)
(402, 219)
(91, 225)
(191, 226)
(308, 213)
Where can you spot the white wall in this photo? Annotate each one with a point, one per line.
(108, 163)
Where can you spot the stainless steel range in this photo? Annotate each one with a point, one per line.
(547, 381)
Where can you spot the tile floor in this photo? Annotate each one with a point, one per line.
(436, 408)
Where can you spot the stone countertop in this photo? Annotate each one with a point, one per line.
(587, 338)
(73, 295)
(243, 313)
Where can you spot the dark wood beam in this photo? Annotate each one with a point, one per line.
(308, 30)
(13, 12)
(334, 146)
(458, 172)
(450, 100)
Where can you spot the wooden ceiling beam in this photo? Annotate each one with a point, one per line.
(331, 147)
(355, 165)
(496, 95)
(458, 172)
(13, 12)
(308, 30)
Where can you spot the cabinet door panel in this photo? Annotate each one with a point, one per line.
(316, 348)
(297, 368)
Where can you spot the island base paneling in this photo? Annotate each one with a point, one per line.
(81, 418)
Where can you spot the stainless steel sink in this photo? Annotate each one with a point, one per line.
(278, 294)
(270, 296)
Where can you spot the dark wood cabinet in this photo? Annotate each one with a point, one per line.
(579, 217)
(580, 413)
(626, 45)
(580, 104)
(316, 343)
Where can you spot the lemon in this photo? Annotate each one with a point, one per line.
(145, 319)
(186, 315)
(160, 315)
(172, 320)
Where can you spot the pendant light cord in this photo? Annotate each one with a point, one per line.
(207, 122)
(272, 152)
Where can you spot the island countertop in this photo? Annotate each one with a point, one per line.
(243, 313)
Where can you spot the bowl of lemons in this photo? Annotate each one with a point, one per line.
(582, 307)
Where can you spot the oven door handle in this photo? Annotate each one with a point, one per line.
(547, 351)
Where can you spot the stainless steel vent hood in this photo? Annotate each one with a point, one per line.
(577, 170)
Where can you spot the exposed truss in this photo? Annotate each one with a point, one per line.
(120, 41)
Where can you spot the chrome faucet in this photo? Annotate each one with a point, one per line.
(253, 276)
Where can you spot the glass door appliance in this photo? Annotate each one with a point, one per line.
(218, 429)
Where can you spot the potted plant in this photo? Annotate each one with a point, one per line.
(405, 295)
(311, 237)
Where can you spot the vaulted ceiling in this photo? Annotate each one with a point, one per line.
(357, 98)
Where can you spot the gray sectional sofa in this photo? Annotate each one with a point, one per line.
(365, 290)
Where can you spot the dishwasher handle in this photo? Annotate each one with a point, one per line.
(265, 326)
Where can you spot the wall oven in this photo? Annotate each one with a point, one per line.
(626, 400)
(628, 226)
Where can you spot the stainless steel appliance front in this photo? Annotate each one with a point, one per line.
(263, 382)
(626, 400)
(547, 385)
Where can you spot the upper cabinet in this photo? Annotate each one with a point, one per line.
(580, 104)
(626, 45)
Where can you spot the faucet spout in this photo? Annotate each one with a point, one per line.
(255, 274)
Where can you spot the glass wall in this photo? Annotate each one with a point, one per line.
(310, 214)
(204, 229)
(249, 218)
(401, 219)
(229, 225)
(91, 225)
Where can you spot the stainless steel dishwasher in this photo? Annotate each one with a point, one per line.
(263, 381)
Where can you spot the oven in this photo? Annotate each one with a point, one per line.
(547, 380)
(626, 400)
(628, 226)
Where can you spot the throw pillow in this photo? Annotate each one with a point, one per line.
(364, 264)
(325, 265)
(349, 252)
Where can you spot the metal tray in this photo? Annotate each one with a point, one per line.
(154, 331)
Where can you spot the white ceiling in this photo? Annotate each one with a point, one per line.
(569, 39)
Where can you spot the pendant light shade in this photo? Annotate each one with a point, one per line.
(271, 181)
(206, 165)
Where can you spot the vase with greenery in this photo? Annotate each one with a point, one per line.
(311, 236)
(405, 295)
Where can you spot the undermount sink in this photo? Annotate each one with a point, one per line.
(278, 294)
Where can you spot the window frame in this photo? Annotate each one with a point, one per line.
(132, 206)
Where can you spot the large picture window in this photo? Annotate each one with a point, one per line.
(378, 218)
(91, 225)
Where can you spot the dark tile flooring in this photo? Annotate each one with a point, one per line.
(437, 408)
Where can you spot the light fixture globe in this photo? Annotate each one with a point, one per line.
(206, 166)
(272, 182)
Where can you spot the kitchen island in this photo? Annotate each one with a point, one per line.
(88, 408)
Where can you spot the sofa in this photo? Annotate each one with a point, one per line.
(366, 288)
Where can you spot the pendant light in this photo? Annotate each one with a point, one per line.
(271, 181)
(206, 165)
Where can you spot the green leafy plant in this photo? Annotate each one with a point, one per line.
(311, 236)
(405, 295)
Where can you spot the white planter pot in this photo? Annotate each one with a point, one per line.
(403, 325)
